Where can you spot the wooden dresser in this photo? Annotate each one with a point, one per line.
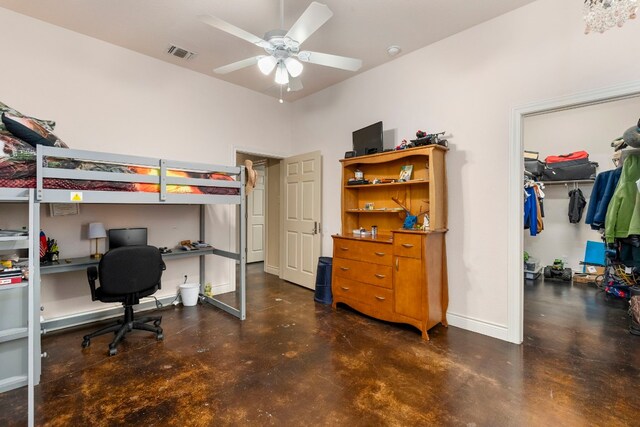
(399, 275)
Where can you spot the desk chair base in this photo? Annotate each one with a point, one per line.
(122, 327)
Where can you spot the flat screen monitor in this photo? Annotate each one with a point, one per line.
(368, 140)
(127, 237)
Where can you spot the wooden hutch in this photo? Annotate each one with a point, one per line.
(399, 275)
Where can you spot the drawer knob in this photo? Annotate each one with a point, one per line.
(380, 253)
(407, 245)
(343, 248)
(344, 268)
(380, 276)
(380, 298)
(343, 288)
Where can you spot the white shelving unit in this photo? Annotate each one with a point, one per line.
(19, 322)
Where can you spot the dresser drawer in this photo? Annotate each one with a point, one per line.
(347, 288)
(375, 274)
(371, 252)
(379, 299)
(407, 245)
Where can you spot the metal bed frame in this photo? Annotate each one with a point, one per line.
(44, 195)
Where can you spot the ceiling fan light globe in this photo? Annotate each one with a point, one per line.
(266, 64)
(282, 76)
(293, 66)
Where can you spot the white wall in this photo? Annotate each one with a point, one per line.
(467, 85)
(107, 98)
(590, 128)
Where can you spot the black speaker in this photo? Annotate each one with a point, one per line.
(349, 154)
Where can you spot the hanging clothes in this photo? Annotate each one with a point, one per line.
(539, 208)
(577, 202)
(621, 219)
(603, 189)
(531, 211)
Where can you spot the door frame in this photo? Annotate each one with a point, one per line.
(267, 154)
(251, 203)
(515, 203)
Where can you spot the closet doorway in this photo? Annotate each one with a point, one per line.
(263, 211)
(588, 128)
(571, 131)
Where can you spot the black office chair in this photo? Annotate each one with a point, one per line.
(126, 274)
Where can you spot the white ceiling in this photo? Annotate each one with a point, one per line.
(359, 28)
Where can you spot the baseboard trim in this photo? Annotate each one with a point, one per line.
(483, 327)
(223, 289)
(272, 270)
(78, 319)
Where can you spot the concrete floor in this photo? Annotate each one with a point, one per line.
(296, 362)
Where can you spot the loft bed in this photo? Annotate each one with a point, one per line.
(63, 175)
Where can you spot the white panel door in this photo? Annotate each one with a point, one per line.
(302, 210)
(256, 218)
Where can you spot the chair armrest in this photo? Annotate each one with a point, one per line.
(92, 275)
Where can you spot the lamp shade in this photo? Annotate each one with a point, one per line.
(96, 230)
(293, 66)
(266, 64)
(282, 76)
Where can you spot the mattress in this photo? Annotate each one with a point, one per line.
(18, 170)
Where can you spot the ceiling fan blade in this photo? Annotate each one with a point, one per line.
(237, 65)
(310, 20)
(233, 30)
(328, 60)
(295, 84)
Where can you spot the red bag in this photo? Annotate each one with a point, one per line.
(578, 155)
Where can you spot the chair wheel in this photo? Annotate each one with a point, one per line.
(113, 351)
(85, 343)
(156, 323)
(160, 336)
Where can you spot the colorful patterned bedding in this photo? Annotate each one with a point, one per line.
(18, 170)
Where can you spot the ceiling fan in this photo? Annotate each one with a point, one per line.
(283, 47)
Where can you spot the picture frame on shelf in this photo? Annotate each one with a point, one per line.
(405, 173)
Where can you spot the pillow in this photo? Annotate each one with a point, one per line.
(29, 130)
(4, 108)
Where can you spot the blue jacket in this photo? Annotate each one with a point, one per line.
(531, 212)
(603, 189)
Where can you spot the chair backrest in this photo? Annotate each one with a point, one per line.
(130, 270)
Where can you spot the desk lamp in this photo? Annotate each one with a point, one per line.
(97, 231)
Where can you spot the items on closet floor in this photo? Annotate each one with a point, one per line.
(533, 206)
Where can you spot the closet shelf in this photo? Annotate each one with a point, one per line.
(578, 181)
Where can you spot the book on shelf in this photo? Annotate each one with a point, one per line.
(10, 280)
(10, 272)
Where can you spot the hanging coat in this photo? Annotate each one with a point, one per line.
(531, 211)
(622, 219)
(603, 189)
(577, 202)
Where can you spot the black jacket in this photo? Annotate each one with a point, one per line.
(577, 203)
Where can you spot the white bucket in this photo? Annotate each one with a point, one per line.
(189, 294)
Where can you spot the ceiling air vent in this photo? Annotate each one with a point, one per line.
(180, 52)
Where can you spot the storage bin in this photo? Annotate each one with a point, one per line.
(532, 274)
(323, 281)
